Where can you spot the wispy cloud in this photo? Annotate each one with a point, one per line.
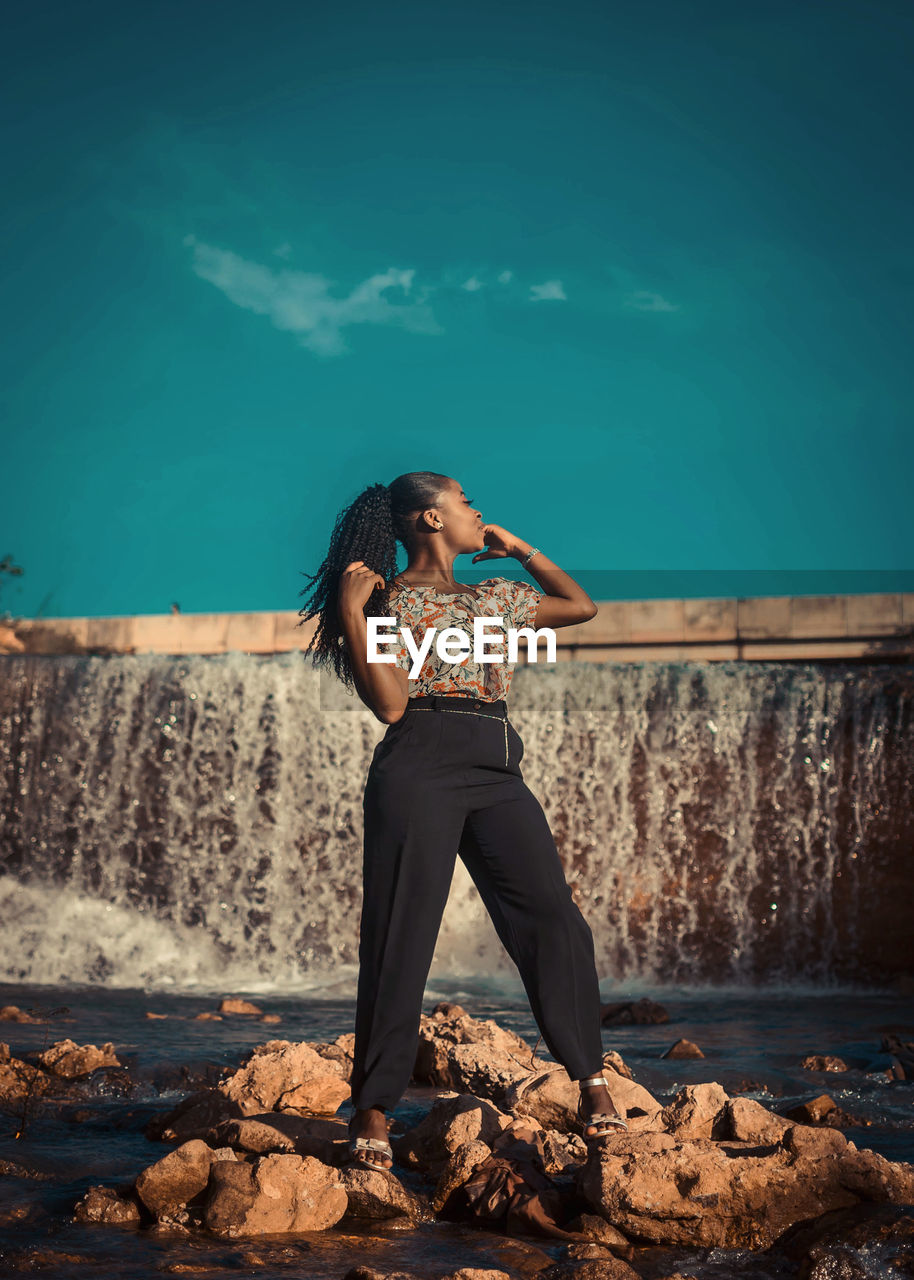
(550, 291)
(302, 303)
(644, 300)
(471, 285)
(506, 277)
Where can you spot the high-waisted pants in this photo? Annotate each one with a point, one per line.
(446, 779)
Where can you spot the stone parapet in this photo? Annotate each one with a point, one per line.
(764, 628)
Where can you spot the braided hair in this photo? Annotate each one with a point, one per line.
(367, 530)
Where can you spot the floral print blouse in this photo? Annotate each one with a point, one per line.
(419, 608)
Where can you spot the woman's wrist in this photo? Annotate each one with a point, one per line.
(521, 549)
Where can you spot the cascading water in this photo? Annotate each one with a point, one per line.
(196, 822)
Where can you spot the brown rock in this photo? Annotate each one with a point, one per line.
(103, 1204)
(454, 1121)
(464, 1161)
(12, 1013)
(276, 1193)
(749, 1121)
(633, 1012)
(696, 1112)
(613, 1060)
(176, 1178)
(150, 1014)
(69, 1060)
(822, 1110)
(589, 1262)
(552, 1099)
(281, 1132)
(471, 1055)
(206, 1016)
(232, 1004)
(18, 1078)
(340, 1051)
(683, 1049)
(193, 1117)
(823, 1062)
(270, 1017)
(730, 1194)
(281, 1074)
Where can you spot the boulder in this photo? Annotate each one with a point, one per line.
(276, 1193)
(823, 1062)
(455, 1120)
(683, 1049)
(658, 1189)
(696, 1112)
(183, 1173)
(103, 1204)
(69, 1060)
(281, 1132)
(552, 1099)
(282, 1075)
(633, 1012)
(471, 1055)
(232, 1004)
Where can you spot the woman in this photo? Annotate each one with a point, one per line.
(445, 778)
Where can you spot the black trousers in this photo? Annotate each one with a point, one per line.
(446, 779)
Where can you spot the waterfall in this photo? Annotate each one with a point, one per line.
(196, 822)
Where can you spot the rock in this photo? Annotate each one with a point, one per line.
(748, 1121)
(231, 1004)
(9, 641)
(341, 1051)
(282, 1075)
(270, 1017)
(206, 1016)
(642, 1012)
(381, 1196)
(471, 1055)
(150, 1014)
(598, 1229)
(820, 1062)
(902, 1052)
(824, 1244)
(552, 1099)
(103, 1204)
(578, 1267)
(697, 1111)
(613, 1060)
(276, 1193)
(700, 1193)
(12, 1013)
(822, 1110)
(454, 1121)
(193, 1117)
(183, 1173)
(18, 1078)
(69, 1060)
(464, 1161)
(683, 1049)
(281, 1132)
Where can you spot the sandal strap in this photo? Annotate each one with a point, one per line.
(593, 1080)
(371, 1144)
(605, 1118)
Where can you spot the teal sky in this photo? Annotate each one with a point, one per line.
(638, 276)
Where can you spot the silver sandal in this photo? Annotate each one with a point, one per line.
(602, 1119)
(359, 1161)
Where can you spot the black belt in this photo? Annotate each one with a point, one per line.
(463, 707)
(455, 702)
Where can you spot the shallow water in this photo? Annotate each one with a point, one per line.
(752, 1041)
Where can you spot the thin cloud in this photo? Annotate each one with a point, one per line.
(551, 291)
(506, 277)
(472, 285)
(301, 302)
(644, 300)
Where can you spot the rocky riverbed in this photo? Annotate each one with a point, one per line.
(247, 1165)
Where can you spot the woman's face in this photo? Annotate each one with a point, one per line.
(463, 525)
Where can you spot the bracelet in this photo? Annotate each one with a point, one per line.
(529, 556)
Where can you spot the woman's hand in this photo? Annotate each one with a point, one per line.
(356, 584)
(499, 542)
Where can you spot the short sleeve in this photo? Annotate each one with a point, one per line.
(524, 603)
